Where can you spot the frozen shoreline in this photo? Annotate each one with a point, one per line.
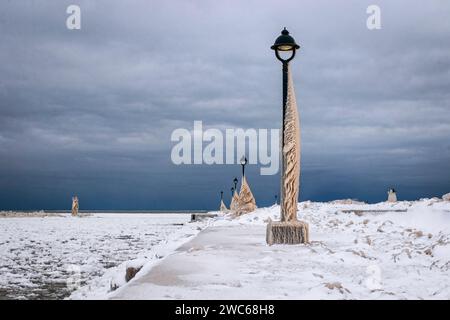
(100, 288)
(48, 257)
(34, 214)
(358, 251)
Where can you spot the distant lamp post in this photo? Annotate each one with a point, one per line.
(223, 207)
(289, 230)
(276, 199)
(75, 206)
(246, 201)
(392, 195)
(234, 196)
(243, 162)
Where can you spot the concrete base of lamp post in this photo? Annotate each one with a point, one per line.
(290, 232)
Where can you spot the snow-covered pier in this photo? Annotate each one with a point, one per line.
(393, 251)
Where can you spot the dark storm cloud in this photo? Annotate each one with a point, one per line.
(91, 111)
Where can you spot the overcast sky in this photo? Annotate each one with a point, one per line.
(90, 112)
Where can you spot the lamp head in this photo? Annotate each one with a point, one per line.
(285, 42)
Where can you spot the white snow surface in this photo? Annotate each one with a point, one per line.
(51, 256)
(357, 251)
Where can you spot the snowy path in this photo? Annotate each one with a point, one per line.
(208, 266)
(352, 256)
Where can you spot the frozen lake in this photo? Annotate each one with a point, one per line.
(49, 257)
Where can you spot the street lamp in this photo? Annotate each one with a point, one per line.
(243, 163)
(284, 43)
(235, 181)
(232, 192)
(223, 207)
(289, 230)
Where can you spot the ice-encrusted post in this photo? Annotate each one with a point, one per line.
(392, 195)
(234, 200)
(223, 207)
(289, 230)
(234, 196)
(75, 206)
(246, 201)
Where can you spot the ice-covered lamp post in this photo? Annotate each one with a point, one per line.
(392, 195)
(75, 206)
(289, 230)
(246, 202)
(234, 196)
(243, 163)
(223, 207)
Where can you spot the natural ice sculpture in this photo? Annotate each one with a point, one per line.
(392, 195)
(75, 206)
(246, 201)
(223, 207)
(289, 230)
(291, 156)
(234, 201)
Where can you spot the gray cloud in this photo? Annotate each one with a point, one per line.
(91, 111)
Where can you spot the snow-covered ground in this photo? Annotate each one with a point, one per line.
(357, 251)
(50, 256)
